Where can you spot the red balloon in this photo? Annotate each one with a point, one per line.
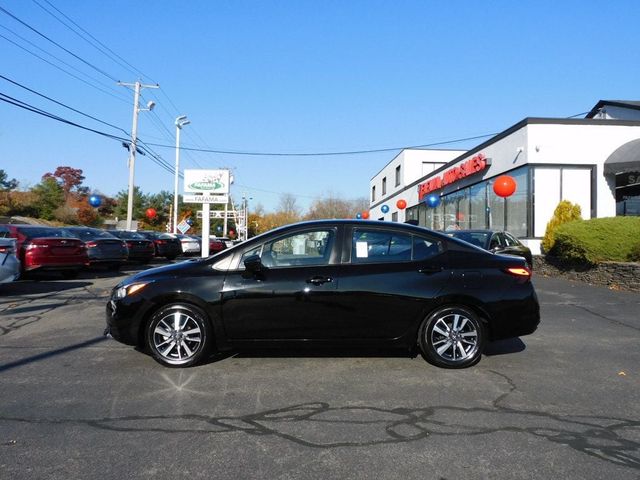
(504, 186)
(151, 213)
(401, 204)
(365, 215)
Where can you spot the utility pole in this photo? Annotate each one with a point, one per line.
(181, 121)
(134, 138)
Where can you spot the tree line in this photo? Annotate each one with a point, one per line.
(62, 197)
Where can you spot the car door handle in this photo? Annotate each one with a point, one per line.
(319, 280)
(431, 270)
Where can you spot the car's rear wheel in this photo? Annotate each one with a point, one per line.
(179, 335)
(452, 337)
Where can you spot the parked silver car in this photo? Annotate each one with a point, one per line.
(190, 245)
(9, 263)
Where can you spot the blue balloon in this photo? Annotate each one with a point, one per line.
(189, 221)
(95, 201)
(433, 200)
(358, 216)
(385, 208)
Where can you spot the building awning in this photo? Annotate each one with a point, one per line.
(624, 159)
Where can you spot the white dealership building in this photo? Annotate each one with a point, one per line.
(592, 161)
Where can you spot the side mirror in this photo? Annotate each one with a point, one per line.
(253, 264)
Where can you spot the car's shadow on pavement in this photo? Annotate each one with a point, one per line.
(504, 347)
(28, 287)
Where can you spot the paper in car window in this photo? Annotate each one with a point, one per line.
(362, 250)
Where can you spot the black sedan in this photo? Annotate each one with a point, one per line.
(102, 247)
(140, 249)
(165, 244)
(336, 282)
(499, 242)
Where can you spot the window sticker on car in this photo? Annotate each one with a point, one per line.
(362, 250)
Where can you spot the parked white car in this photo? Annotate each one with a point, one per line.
(9, 263)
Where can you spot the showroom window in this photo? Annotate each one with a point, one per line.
(373, 193)
(398, 175)
(384, 186)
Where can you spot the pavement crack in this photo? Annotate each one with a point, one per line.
(313, 425)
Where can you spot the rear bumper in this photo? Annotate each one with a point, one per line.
(516, 317)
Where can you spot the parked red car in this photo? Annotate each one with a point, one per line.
(47, 248)
(216, 245)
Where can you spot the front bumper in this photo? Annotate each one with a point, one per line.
(125, 319)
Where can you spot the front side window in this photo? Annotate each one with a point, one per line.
(299, 249)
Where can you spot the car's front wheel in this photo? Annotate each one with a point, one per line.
(179, 335)
(452, 337)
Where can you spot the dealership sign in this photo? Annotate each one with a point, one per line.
(473, 165)
(209, 182)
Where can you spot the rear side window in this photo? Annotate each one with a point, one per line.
(376, 246)
(424, 248)
(373, 246)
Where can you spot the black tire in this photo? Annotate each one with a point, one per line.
(452, 337)
(70, 274)
(169, 343)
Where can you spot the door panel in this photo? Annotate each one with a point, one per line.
(281, 303)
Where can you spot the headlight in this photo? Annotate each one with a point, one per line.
(130, 289)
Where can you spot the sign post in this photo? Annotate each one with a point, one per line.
(206, 187)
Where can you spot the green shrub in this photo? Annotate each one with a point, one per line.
(634, 254)
(598, 240)
(565, 212)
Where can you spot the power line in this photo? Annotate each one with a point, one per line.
(325, 154)
(63, 105)
(89, 64)
(95, 43)
(58, 67)
(125, 141)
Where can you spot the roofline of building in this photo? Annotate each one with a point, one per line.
(418, 149)
(614, 103)
(514, 128)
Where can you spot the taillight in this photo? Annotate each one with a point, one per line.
(33, 246)
(161, 242)
(522, 272)
(130, 244)
(90, 244)
(150, 245)
(6, 250)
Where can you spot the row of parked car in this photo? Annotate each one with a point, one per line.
(26, 249)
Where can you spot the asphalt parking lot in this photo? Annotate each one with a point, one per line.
(562, 403)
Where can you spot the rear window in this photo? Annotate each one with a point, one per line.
(129, 235)
(88, 233)
(39, 232)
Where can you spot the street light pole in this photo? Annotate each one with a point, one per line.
(181, 121)
(134, 138)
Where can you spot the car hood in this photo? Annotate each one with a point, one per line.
(172, 270)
